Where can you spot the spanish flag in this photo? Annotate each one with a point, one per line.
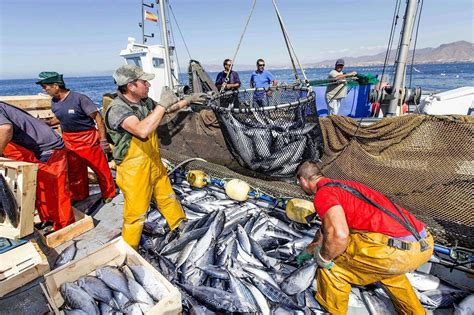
(150, 16)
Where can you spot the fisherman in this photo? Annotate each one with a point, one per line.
(131, 120)
(25, 138)
(228, 80)
(336, 90)
(262, 78)
(364, 238)
(86, 145)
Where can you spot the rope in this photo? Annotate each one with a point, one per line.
(416, 39)
(390, 39)
(287, 40)
(179, 30)
(238, 45)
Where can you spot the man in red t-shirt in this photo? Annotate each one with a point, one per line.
(364, 238)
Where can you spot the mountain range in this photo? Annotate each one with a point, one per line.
(460, 51)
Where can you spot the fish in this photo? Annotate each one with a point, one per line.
(240, 257)
(465, 307)
(422, 281)
(77, 298)
(374, 304)
(153, 286)
(138, 293)
(215, 299)
(300, 279)
(98, 290)
(8, 204)
(115, 279)
(66, 255)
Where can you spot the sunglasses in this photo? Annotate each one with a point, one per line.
(261, 65)
(228, 64)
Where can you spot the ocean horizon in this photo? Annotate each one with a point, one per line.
(430, 77)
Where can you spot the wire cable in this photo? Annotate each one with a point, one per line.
(239, 43)
(390, 39)
(420, 6)
(179, 30)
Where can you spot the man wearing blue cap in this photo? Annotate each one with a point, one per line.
(336, 90)
(86, 144)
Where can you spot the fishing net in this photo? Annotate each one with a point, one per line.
(269, 131)
(425, 163)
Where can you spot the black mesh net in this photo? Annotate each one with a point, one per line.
(270, 130)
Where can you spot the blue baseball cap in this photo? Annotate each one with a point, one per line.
(340, 61)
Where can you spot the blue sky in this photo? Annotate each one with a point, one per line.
(84, 37)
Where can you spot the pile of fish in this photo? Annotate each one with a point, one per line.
(8, 204)
(129, 289)
(240, 257)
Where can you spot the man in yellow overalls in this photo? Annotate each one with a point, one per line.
(364, 238)
(131, 120)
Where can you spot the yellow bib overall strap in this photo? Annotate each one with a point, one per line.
(140, 176)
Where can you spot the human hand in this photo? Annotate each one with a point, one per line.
(323, 263)
(196, 98)
(167, 97)
(104, 145)
(353, 73)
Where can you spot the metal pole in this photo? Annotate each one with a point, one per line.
(143, 24)
(166, 44)
(409, 21)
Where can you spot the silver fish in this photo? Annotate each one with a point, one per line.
(300, 279)
(77, 298)
(115, 279)
(153, 286)
(66, 255)
(465, 307)
(98, 290)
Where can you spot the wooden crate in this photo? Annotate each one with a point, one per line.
(116, 252)
(83, 224)
(20, 266)
(28, 102)
(21, 177)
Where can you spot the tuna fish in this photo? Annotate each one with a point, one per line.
(8, 204)
(66, 255)
(77, 298)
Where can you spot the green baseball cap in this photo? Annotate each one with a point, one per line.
(48, 77)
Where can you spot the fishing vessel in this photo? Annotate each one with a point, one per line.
(399, 156)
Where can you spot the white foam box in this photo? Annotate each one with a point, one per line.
(114, 253)
(21, 265)
(21, 178)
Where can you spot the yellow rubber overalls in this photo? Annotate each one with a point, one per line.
(140, 176)
(368, 259)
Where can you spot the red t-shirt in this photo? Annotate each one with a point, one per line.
(359, 214)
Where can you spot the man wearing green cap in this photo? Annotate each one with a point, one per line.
(86, 145)
(132, 119)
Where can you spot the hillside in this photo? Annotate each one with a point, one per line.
(461, 51)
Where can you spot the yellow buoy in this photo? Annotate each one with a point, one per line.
(197, 178)
(298, 209)
(237, 189)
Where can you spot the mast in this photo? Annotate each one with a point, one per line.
(164, 29)
(409, 21)
(143, 24)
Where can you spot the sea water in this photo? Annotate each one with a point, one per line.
(430, 77)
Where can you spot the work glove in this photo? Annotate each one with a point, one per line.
(323, 263)
(167, 98)
(104, 145)
(196, 98)
(303, 257)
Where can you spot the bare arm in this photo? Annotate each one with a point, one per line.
(6, 135)
(274, 83)
(143, 128)
(99, 121)
(336, 233)
(345, 75)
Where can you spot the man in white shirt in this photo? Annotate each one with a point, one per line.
(336, 90)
